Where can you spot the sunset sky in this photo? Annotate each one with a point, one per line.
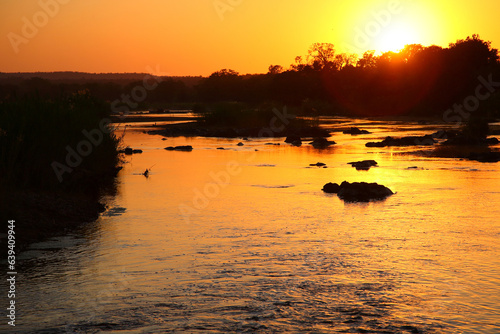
(198, 37)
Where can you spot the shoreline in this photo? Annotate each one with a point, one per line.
(40, 214)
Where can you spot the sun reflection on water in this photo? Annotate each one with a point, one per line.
(263, 248)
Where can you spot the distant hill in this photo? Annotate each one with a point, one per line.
(82, 77)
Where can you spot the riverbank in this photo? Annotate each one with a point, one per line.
(41, 214)
(57, 156)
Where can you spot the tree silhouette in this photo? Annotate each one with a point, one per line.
(223, 85)
(322, 55)
(473, 51)
(368, 60)
(275, 69)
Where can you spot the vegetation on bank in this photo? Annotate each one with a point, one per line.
(418, 80)
(241, 115)
(37, 135)
(232, 120)
(458, 84)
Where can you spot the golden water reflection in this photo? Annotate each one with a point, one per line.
(243, 239)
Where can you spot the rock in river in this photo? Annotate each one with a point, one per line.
(356, 131)
(465, 140)
(130, 151)
(331, 188)
(363, 165)
(318, 164)
(485, 156)
(321, 142)
(292, 138)
(186, 148)
(358, 191)
(426, 140)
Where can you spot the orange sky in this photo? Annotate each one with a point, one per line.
(198, 37)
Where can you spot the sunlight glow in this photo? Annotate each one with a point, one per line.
(396, 36)
(247, 36)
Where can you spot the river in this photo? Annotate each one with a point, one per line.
(244, 240)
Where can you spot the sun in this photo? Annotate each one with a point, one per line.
(395, 36)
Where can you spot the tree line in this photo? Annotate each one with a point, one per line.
(418, 80)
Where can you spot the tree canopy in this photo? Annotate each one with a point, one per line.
(418, 80)
(415, 80)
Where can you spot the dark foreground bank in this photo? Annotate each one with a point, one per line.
(57, 158)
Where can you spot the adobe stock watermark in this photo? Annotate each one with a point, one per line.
(224, 6)
(460, 113)
(138, 94)
(203, 196)
(31, 27)
(221, 179)
(94, 138)
(381, 19)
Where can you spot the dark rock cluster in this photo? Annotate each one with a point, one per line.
(356, 131)
(130, 151)
(321, 142)
(427, 140)
(363, 165)
(358, 191)
(186, 148)
(485, 156)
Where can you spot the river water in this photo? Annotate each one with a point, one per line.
(244, 240)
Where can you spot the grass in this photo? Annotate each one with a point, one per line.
(35, 132)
